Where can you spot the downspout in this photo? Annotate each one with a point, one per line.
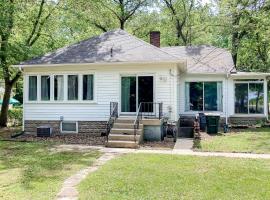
(24, 98)
(267, 97)
(227, 98)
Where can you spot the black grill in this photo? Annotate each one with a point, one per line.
(44, 131)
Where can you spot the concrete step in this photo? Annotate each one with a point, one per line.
(125, 125)
(125, 120)
(125, 131)
(123, 137)
(121, 144)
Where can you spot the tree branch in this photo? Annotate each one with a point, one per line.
(36, 23)
(103, 28)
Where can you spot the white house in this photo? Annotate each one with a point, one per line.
(71, 88)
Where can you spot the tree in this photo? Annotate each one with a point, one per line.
(123, 10)
(181, 15)
(242, 18)
(107, 14)
(15, 44)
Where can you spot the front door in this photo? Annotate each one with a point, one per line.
(134, 90)
(145, 93)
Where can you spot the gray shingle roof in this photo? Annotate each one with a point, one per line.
(203, 58)
(113, 46)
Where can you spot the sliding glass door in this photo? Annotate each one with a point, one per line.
(249, 97)
(128, 94)
(134, 90)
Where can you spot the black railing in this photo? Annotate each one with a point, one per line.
(112, 118)
(151, 110)
(148, 110)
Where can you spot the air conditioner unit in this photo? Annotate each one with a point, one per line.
(44, 131)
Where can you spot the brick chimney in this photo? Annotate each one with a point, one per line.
(155, 38)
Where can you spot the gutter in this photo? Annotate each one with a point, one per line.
(100, 64)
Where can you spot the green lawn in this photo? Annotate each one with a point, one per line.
(34, 171)
(250, 141)
(149, 176)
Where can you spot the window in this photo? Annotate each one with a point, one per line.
(203, 96)
(88, 87)
(45, 88)
(196, 96)
(69, 127)
(249, 98)
(73, 87)
(58, 87)
(32, 84)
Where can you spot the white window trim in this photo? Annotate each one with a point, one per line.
(27, 89)
(248, 113)
(203, 110)
(79, 86)
(53, 77)
(69, 131)
(39, 86)
(94, 88)
(65, 100)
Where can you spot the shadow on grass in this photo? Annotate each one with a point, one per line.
(38, 162)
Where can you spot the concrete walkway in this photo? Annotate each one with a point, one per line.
(172, 151)
(69, 190)
(183, 144)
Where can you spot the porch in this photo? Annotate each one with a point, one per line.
(129, 130)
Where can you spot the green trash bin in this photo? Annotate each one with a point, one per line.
(212, 123)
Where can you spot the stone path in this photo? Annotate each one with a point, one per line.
(69, 190)
(172, 151)
(183, 144)
(189, 152)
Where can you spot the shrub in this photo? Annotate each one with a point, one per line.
(15, 116)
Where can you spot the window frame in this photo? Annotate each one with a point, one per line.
(37, 88)
(94, 88)
(243, 81)
(79, 88)
(203, 82)
(53, 87)
(40, 88)
(61, 127)
(65, 88)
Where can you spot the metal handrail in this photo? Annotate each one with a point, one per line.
(112, 118)
(136, 123)
(147, 109)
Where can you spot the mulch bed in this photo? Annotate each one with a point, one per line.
(166, 144)
(86, 139)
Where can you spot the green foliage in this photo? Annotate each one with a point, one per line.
(18, 91)
(15, 116)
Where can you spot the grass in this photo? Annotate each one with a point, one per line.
(249, 141)
(35, 171)
(146, 176)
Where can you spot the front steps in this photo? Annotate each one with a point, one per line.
(122, 134)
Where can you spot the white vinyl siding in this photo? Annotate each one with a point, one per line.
(106, 89)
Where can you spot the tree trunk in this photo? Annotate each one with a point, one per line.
(5, 105)
(235, 46)
(122, 24)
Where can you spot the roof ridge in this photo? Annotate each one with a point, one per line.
(157, 48)
(203, 45)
